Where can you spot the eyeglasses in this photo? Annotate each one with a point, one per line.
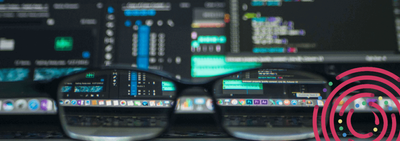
(128, 104)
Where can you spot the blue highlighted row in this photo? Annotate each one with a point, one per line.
(133, 83)
(13, 74)
(257, 3)
(143, 44)
(143, 12)
(268, 3)
(269, 50)
(264, 19)
(143, 47)
(273, 3)
(261, 19)
(143, 62)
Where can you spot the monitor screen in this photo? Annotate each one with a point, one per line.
(311, 31)
(197, 39)
(272, 87)
(168, 35)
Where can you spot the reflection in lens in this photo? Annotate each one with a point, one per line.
(115, 105)
(270, 104)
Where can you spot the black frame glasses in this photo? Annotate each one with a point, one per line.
(52, 88)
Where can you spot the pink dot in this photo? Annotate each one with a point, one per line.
(194, 35)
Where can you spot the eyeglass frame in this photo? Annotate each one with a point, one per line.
(180, 84)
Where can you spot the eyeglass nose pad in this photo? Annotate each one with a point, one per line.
(197, 100)
(194, 100)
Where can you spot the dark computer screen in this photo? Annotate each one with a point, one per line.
(43, 40)
(164, 35)
(312, 31)
(191, 39)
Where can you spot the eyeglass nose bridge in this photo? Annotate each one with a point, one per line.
(193, 92)
(199, 90)
(206, 89)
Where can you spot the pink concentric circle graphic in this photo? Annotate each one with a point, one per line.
(335, 104)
